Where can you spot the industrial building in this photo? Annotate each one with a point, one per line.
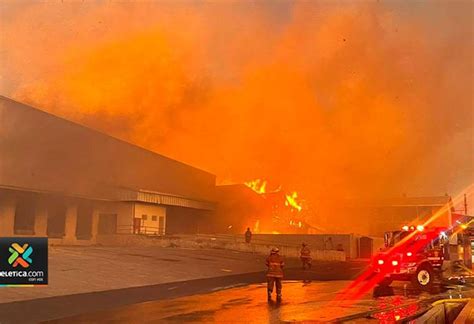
(393, 213)
(378, 215)
(71, 183)
(239, 207)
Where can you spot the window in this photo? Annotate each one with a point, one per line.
(153, 218)
(144, 217)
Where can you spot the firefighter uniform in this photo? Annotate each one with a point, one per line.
(305, 256)
(248, 235)
(275, 265)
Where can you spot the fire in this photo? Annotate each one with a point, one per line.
(260, 186)
(285, 209)
(145, 74)
(296, 223)
(256, 227)
(291, 201)
(257, 185)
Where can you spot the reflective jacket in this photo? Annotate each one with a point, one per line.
(305, 252)
(275, 266)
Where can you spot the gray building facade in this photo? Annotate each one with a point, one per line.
(72, 183)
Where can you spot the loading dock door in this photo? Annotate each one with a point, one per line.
(366, 247)
(107, 224)
(84, 222)
(137, 225)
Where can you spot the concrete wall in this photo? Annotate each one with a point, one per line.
(315, 241)
(7, 215)
(181, 220)
(42, 152)
(379, 243)
(69, 231)
(74, 222)
(151, 226)
(204, 241)
(124, 212)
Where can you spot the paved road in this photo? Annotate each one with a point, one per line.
(74, 270)
(85, 279)
(302, 301)
(241, 305)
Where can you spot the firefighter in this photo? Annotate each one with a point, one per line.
(248, 235)
(305, 256)
(275, 265)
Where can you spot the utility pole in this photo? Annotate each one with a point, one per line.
(465, 204)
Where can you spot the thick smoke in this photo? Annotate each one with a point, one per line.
(336, 101)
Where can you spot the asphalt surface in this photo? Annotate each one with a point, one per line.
(44, 309)
(303, 301)
(313, 295)
(77, 270)
(59, 307)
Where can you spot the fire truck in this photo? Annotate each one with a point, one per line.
(414, 254)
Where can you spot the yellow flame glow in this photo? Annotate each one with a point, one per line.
(257, 185)
(291, 201)
(256, 227)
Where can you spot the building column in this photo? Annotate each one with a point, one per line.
(95, 224)
(41, 220)
(7, 216)
(70, 224)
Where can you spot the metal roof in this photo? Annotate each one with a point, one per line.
(44, 153)
(163, 199)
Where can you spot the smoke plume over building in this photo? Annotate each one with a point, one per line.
(334, 100)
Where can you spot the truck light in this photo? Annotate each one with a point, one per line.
(394, 263)
(405, 228)
(412, 228)
(409, 254)
(420, 228)
(380, 262)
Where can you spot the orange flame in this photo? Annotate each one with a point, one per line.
(257, 185)
(256, 227)
(291, 201)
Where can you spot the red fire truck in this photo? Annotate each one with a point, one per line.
(413, 254)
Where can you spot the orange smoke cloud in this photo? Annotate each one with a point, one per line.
(334, 101)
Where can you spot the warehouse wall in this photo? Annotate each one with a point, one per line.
(43, 152)
(147, 213)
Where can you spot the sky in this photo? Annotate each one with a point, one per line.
(333, 99)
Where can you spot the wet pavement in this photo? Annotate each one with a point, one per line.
(43, 309)
(76, 269)
(302, 301)
(317, 295)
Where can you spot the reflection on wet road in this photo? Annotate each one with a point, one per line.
(301, 301)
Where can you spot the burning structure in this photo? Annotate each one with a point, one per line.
(263, 210)
(66, 181)
(239, 207)
(375, 100)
